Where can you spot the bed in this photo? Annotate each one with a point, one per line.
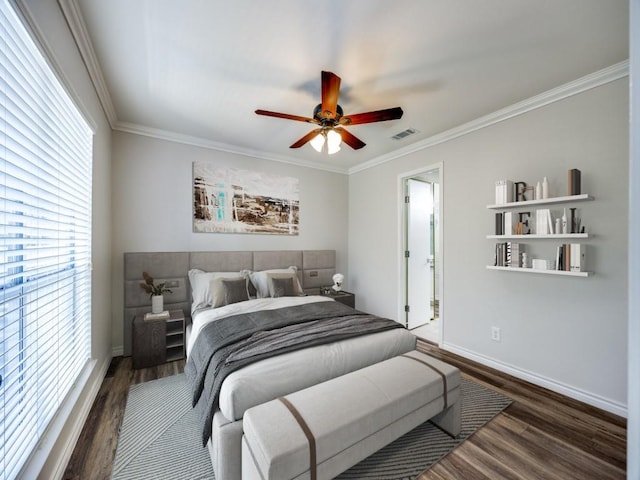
(281, 287)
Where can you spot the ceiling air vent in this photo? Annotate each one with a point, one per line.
(404, 133)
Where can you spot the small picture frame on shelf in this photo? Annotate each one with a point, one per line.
(530, 192)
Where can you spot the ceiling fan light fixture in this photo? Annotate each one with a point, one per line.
(317, 142)
(333, 142)
(328, 141)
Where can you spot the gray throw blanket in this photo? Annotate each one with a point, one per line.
(228, 344)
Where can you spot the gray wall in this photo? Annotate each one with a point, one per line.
(152, 207)
(565, 333)
(142, 203)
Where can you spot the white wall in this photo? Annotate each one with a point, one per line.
(51, 458)
(152, 209)
(562, 332)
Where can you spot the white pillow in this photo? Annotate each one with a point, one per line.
(260, 280)
(205, 292)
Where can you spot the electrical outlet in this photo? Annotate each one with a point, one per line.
(172, 284)
(495, 334)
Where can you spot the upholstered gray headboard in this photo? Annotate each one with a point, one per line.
(315, 269)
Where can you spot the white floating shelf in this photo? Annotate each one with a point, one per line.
(545, 201)
(545, 272)
(532, 236)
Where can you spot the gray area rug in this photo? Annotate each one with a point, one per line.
(160, 437)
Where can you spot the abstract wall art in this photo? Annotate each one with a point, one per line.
(229, 200)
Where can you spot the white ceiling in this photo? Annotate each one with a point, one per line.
(196, 70)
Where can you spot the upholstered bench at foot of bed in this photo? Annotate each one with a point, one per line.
(336, 424)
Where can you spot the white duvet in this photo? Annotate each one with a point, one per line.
(273, 377)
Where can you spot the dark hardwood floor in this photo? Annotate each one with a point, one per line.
(541, 435)
(93, 455)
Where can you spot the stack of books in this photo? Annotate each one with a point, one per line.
(157, 316)
(571, 257)
(544, 223)
(506, 223)
(504, 191)
(509, 254)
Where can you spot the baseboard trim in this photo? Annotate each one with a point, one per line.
(77, 422)
(541, 381)
(117, 351)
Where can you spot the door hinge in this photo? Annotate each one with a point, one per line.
(406, 308)
(406, 199)
(406, 254)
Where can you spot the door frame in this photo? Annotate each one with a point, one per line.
(402, 239)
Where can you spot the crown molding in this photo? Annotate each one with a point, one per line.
(73, 16)
(222, 147)
(588, 82)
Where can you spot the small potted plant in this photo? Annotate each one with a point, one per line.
(155, 292)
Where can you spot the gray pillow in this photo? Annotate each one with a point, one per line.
(235, 291)
(281, 287)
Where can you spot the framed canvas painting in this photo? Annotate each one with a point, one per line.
(229, 200)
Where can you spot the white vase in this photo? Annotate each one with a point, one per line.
(157, 303)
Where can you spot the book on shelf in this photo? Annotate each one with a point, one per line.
(506, 223)
(539, 222)
(571, 257)
(509, 222)
(518, 258)
(157, 316)
(500, 259)
(543, 222)
(504, 191)
(499, 229)
(508, 254)
(514, 254)
(577, 257)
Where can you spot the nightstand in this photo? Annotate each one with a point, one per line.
(347, 298)
(158, 341)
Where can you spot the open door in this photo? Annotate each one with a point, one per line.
(419, 252)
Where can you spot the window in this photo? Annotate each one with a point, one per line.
(45, 244)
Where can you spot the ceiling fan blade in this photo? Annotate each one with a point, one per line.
(330, 92)
(287, 116)
(306, 138)
(370, 117)
(350, 139)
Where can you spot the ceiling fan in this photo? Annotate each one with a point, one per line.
(329, 116)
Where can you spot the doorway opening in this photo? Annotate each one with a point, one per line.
(422, 253)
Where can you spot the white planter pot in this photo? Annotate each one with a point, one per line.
(157, 303)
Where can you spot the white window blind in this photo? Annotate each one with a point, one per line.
(45, 244)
